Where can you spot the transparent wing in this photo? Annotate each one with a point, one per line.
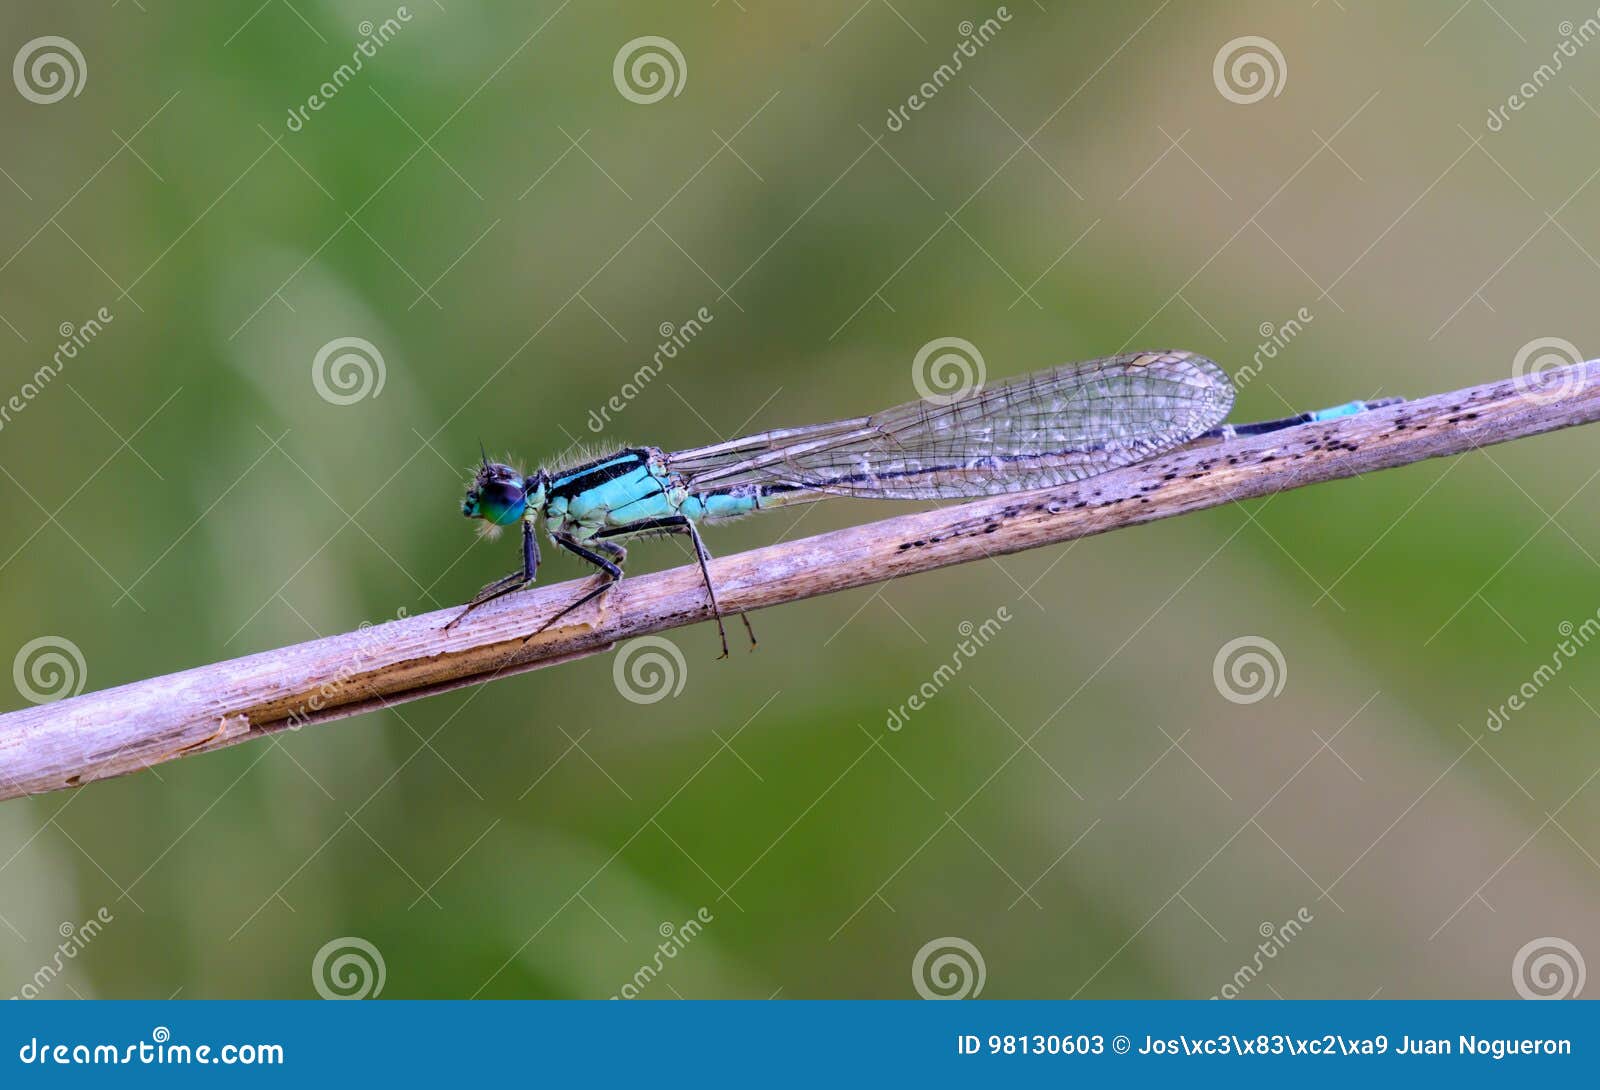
(1054, 426)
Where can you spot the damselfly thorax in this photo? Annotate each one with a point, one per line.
(621, 493)
(1032, 431)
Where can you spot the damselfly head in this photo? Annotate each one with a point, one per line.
(496, 495)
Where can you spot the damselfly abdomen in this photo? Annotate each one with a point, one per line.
(1033, 431)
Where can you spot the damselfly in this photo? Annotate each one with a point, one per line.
(1033, 431)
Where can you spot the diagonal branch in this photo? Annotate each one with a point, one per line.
(121, 730)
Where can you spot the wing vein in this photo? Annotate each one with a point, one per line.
(1054, 426)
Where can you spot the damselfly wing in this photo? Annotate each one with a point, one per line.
(1033, 431)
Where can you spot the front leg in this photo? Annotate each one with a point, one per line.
(515, 581)
(530, 550)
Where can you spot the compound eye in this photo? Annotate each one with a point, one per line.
(502, 502)
(502, 494)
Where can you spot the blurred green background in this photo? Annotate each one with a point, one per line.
(1081, 804)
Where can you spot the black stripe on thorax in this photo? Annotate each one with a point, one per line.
(596, 473)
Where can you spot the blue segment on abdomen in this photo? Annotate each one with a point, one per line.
(1349, 408)
(718, 505)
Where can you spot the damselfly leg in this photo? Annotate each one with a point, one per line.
(610, 571)
(682, 524)
(702, 554)
(515, 581)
